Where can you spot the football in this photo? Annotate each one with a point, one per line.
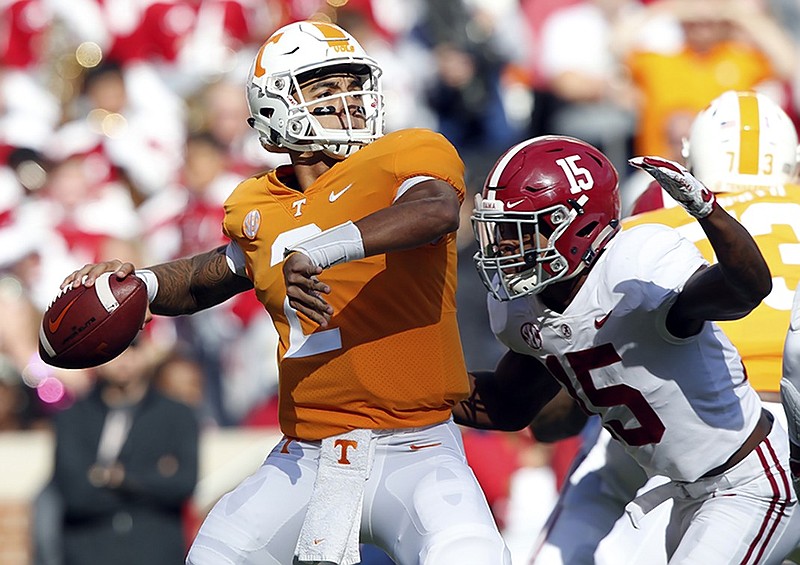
(85, 327)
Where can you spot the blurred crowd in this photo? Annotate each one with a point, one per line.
(123, 129)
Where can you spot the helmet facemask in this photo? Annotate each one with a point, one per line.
(548, 208)
(517, 252)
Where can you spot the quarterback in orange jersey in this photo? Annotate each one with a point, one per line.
(351, 249)
(743, 147)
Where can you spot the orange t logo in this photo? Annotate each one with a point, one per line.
(259, 70)
(345, 444)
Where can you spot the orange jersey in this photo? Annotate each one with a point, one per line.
(676, 87)
(391, 356)
(772, 216)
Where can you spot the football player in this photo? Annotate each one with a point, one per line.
(625, 321)
(351, 249)
(744, 148)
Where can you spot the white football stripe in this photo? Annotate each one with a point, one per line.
(45, 343)
(103, 289)
(500, 167)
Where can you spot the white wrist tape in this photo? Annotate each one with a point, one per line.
(150, 281)
(335, 245)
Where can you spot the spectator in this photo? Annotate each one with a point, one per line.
(728, 45)
(595, 101)
(130, 122)
(125, 465)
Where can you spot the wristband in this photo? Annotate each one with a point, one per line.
(150, 282)
(335, 245)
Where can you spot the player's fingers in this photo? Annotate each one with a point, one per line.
(87, 274)
(310, 299)
(314, 314)
(120, 269)
(308, 282)
(316, 286)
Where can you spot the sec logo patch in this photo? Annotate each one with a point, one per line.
(252, 221)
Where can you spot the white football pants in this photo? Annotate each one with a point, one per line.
(422, 505)
(740, 521)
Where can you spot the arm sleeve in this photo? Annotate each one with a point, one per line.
(791, 348)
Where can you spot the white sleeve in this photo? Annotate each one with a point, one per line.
(235, 259)
(791, 348)
(651, 264)
(409, 184)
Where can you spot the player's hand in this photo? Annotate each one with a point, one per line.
(87, 274)
(304, 289)
(679, 184)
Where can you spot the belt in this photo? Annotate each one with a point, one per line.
(645, 502)
(759, 434)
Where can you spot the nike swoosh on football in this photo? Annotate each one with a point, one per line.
(514, 204)
(600, 322)
(335, 195)
(415, 447)
(55, 324)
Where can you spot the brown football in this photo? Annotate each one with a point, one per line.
(85, 327)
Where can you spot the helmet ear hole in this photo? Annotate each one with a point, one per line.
(267, 112)
(587, 229)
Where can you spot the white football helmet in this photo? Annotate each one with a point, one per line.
(742, 140)
(298, 52)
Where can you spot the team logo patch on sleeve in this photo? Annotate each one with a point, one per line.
(251, 223)
(531, 335)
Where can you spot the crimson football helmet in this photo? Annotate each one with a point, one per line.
(548, 207)
(298, 52)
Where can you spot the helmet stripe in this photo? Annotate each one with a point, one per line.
(501, 164)
(331, 33)
(748, 134)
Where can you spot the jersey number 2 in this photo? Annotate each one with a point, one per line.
(301, 344)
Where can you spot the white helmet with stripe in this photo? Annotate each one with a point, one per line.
(742, 140)
(299, 52)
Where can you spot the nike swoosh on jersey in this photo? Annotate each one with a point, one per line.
(600, 322)
(334, 196)
(53, 325)
(415, 447)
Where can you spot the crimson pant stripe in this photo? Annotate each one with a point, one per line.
(762, 457)
(783, 504)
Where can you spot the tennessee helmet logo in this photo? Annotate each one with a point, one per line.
(260, 71)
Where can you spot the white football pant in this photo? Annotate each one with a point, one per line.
(422, 505)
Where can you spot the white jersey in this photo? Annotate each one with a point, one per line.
(679, 406)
